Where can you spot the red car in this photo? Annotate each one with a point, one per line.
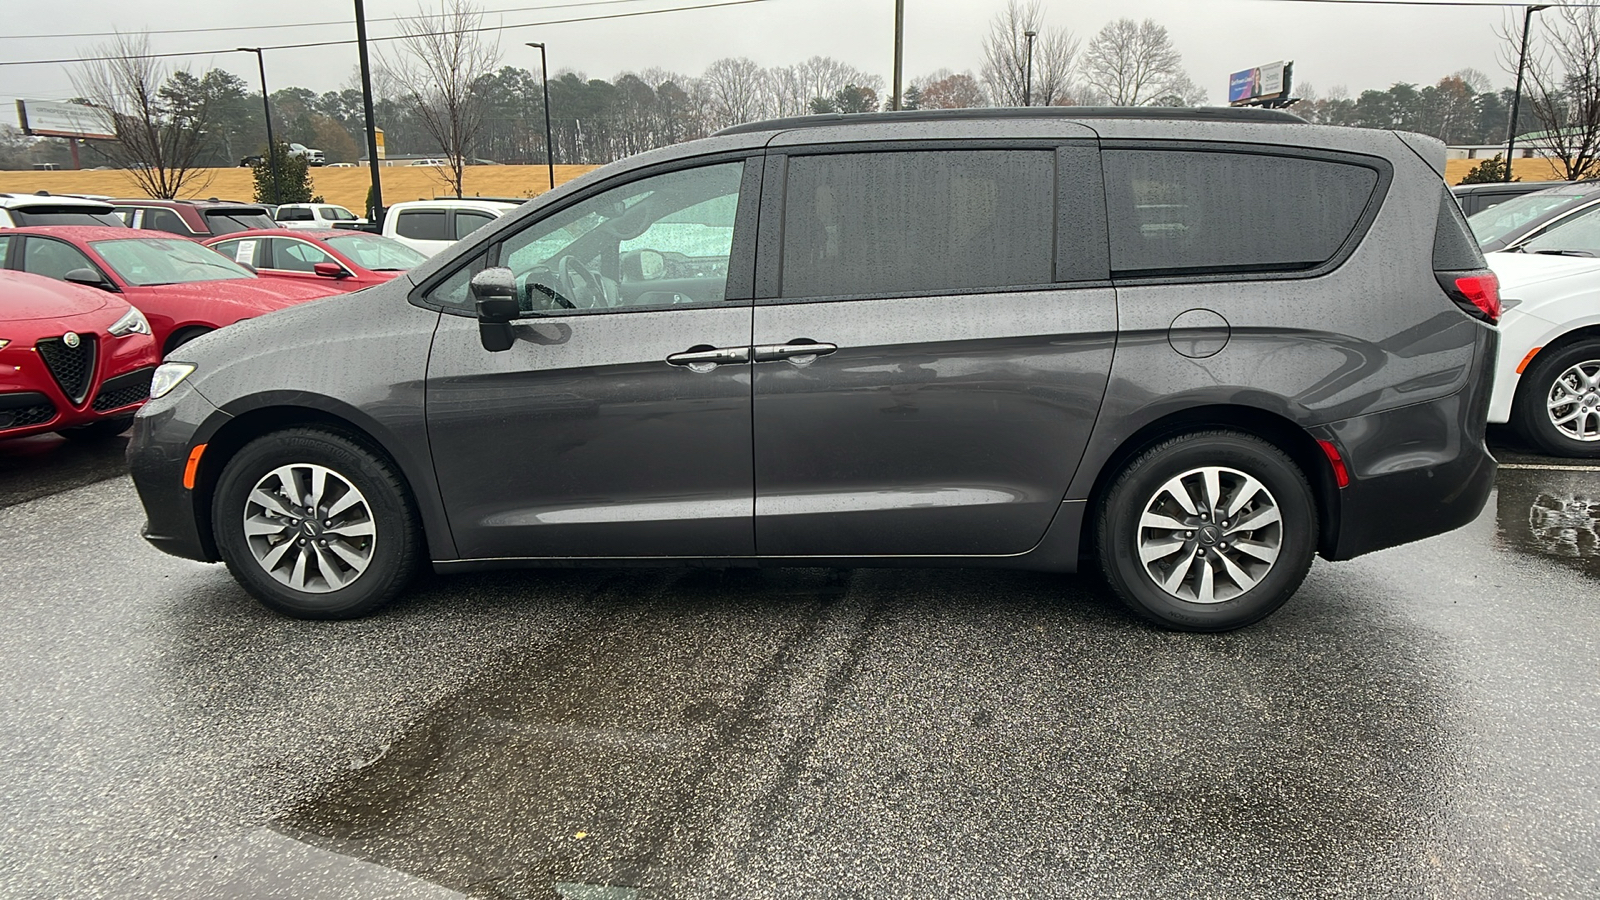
(349, 260)
(184, 289)
(72, 359)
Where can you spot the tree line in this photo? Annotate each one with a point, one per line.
(445, 91)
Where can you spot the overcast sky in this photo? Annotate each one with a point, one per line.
(1358, 47)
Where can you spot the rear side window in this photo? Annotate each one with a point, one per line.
(468, 222)
(1454, 247)
(157, 219)
(1196, 212)
(422, 225)
(904, 222)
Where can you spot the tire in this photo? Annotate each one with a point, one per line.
(1252, 572)
(1572, 374)
(180, 338)
(345, 571)
(103, 430)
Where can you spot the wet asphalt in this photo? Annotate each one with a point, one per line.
(1422, 722)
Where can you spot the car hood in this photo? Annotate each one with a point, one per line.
(1520, 270)
(256, 293)
(32, 297)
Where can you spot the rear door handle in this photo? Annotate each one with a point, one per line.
(704, 358)
(801, 351)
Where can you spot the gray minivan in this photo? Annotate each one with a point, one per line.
(1194, 348)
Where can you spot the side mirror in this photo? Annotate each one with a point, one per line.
(89, 278)
(495, 292)
(329, 270)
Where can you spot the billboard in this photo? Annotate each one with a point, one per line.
(1268, 82)
(48, 118)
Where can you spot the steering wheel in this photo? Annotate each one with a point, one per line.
(569, 272)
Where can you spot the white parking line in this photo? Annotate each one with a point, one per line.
(1550, 468)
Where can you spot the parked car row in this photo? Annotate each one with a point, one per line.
(1545, 247)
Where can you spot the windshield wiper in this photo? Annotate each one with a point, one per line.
(1586, 254)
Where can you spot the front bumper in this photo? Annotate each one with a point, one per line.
(165, 432)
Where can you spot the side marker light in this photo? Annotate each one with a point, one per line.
(193, 466)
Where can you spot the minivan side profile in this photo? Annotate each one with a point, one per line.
(1192, 348)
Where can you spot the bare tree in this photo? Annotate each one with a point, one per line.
(1005, 55)
(1135, 64)
(436, 64)
(1563, 86)
(162, 127)
(739, 89)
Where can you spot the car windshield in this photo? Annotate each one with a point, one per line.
(66, 215)
(376, 252)
(1577, 236)
(228, 221)
(148, 261)
(1502, 219)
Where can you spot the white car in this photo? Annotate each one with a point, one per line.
(43, 208)
(313, 215)
(314, 157)
(1547, 379)
(429, 226)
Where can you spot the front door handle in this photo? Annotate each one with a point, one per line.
(801, 351)
(704, 358)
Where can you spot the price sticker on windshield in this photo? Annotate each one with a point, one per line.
(244, 252)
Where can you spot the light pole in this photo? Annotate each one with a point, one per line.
(1027, 84)
(899, 46)
(1516, 98)
(549, 145)
(375, 201)
(266, 107)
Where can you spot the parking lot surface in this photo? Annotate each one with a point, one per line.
(1422, 722)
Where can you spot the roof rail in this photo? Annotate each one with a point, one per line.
(517, 200)
(1168, 113)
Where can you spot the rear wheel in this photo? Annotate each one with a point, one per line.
(1558, 401)
(1207, 531)
(314, 525)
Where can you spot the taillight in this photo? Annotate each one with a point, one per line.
(1477, 293)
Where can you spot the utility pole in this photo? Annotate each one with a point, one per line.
(266, 107)
(1027, 82)
(1516, 98)
(375, 202)
(549, 145)
(899, 46)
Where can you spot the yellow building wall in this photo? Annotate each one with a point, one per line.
(346, 187)
(1521, 169)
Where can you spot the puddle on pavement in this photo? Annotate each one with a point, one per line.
(572, 772)
(1554, 514)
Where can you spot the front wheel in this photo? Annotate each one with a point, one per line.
(1558, 401)
(315, 525)
(1207, 531)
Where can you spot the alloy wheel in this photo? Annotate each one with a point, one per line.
(1210, 534)
(309, 528)
(1573, 402)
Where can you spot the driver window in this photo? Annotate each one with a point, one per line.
(659, 241)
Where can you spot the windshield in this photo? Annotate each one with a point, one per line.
(1577, 236)
(148, 261)
(375, 252)
(1502, 219)
(228, 221)
(66, 215)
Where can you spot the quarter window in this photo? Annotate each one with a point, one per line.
(1183, 211)
(422, 225)
(908, 222)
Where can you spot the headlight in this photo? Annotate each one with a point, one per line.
(132, 322)
(168, 376)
